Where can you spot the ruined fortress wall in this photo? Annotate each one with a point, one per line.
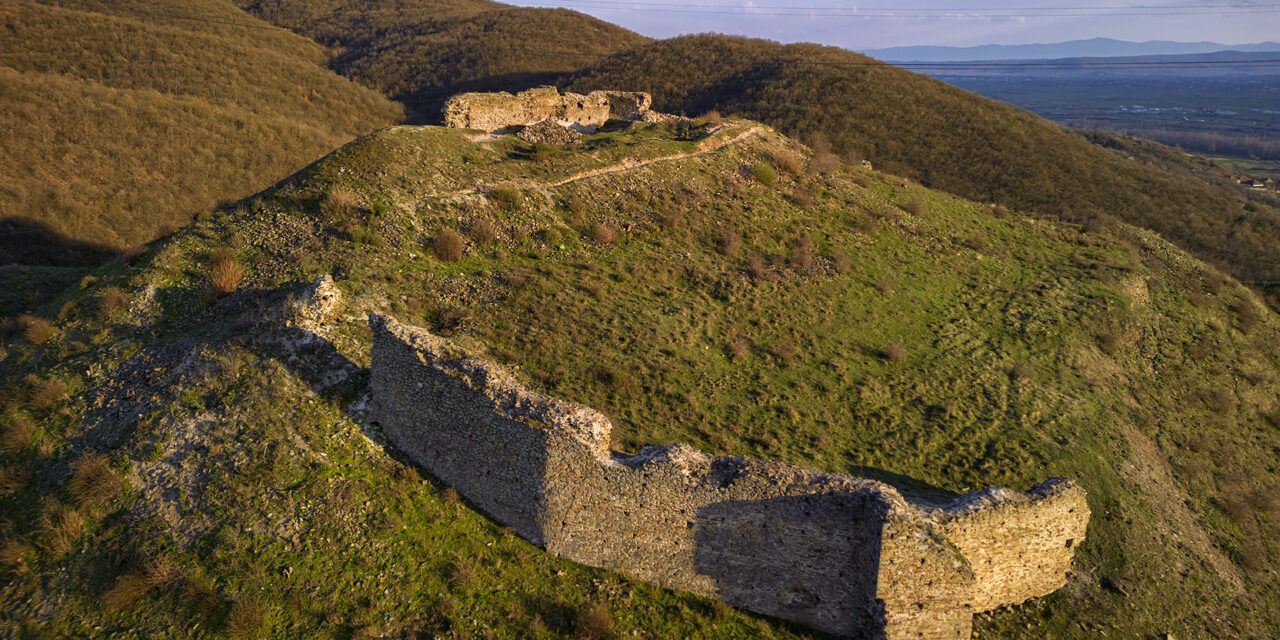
(768, 537)
(845, 555)
(499, 110)
(1022, 546)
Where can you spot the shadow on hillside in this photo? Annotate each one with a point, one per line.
(423, 107)
(30, 242)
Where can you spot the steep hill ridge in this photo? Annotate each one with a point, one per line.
(759, 300)
(122, 120)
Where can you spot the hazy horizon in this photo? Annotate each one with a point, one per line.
(934, 23)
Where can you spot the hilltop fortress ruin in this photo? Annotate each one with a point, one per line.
(849, 556)
(583, 113)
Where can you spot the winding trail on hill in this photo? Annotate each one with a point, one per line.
(706, 146)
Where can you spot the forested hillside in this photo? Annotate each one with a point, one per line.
(122, 119)
(422, 52)
(911, 125)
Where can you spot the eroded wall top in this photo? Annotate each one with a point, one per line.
(501, 110)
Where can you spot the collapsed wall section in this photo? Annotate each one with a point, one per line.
(846, 555)
(500, 110)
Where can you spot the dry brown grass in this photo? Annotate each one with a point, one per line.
(895, 352)
(36, 330)
(245, 620)
(111, 300)
(784, 351)
(339, 202)
(225, 276)
(48, 393)
(801, 253)
(787, 161)
(731, 243)
(127, 591)
(197, 594)
(448, 245)
(18, 432)
(712, 117)
(595, 622)
(58, 528)
(605, 233)
(93, 481)
(13, 478)
(14, 555)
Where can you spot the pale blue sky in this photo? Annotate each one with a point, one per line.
(854, 25)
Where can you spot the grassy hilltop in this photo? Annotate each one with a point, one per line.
(177, 463)
(123, 119)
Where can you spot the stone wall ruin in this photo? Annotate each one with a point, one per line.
(849, 556)
(583, 113)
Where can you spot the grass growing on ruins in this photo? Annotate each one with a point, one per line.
(722, 313)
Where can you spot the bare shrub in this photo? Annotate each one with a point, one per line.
(506, 198)
(1023, 371)
(483, 232)
(111, 300)
(36, 330)
(448, 245)
(977, 243)
(731, 243)
(93, 481)
(59, 527)
(18, 431)
(895, 352)
(784, 351)
(595, 622)
(1247, 313)
(827, 164)
(605, 233)
(787, 161)
(1000, 211)
(244, 620)
(1109, 342)
(672, 218)
(841, 263)
(48, 393)
(757, 268)
(225, 276)
(712, 117)
(801, 253)
(802, 197)
(917, 207)
(884, 285)
(739, 349)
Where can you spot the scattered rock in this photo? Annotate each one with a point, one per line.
(550, 132)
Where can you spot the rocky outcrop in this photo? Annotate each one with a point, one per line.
(584, 113)
(849, 556)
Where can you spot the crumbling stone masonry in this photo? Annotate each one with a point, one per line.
(845, 555)
(500, 110)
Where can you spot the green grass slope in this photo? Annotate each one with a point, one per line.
(121, 120)
(177, 463)
(946, 138)
(420, 53)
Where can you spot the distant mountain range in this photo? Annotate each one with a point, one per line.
(1094, 47)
